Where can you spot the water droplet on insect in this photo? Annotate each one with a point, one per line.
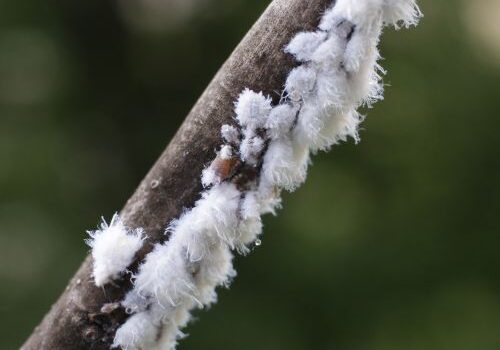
(258, 242)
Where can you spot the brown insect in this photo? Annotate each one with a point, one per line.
(225, 168)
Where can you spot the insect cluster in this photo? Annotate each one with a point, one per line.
(267, 150)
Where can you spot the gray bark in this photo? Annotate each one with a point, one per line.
(86, 317)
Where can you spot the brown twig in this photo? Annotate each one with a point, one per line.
(82, 317)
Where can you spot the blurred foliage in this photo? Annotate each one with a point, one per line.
(391, 244)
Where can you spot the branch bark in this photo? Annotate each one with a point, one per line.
(86, 317)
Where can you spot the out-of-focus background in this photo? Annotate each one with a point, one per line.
(391, 244)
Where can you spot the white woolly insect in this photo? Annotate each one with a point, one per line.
(252, 109)
(304, 44)
(230, 134)
(339, 73)
(281, 120)
(113, 249)
(285, 164)
(251, 147)
(250, 225)
(165, 274)
(184, 272)
(300, 83)
(139, 332)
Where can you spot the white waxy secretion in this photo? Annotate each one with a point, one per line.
(113, 249)
(339, 73)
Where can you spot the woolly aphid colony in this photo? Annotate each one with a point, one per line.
(338, 74)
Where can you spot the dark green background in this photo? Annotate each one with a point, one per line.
(391, 244)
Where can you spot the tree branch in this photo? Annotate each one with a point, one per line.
(86, 317)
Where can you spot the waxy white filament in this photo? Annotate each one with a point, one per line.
(338, 74)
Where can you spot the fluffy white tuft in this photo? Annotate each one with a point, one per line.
(330, 54)
(171, 327)
(251, 148)
(364, 14)
(163, 277)
(155, 329)
(338, 128)
(300, 83)
(216, 212)
(401, 13)
(281, 120)
(269, 197)
(226, 152)
(252, 109)
(230, 134)
(285, 166)
(184, 272)
(139, 332)
(250, 226)
(303, 44)
(209, 177)
(340, 73)
(215, 270)
(113, 249)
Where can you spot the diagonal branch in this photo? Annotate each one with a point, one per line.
(86, 317)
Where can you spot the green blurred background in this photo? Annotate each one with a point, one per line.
(391, 244)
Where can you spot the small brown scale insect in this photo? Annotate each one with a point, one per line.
(232, 168)
(225, 168)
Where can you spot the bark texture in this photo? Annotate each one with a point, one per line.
(86, 317)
